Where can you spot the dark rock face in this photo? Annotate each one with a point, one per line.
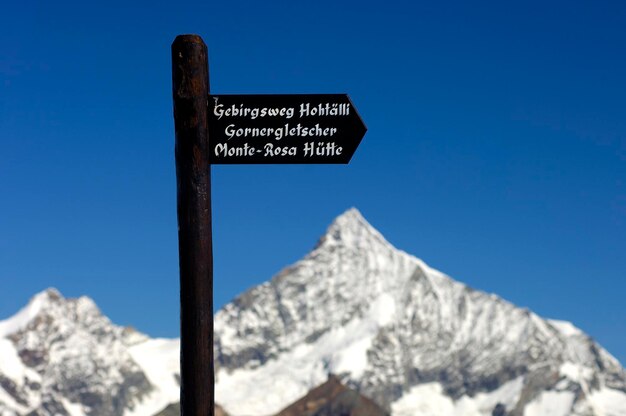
(174, 410)
(333, 399)
(499, 410)
(11, 388)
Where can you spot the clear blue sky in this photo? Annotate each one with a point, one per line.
(496, 148)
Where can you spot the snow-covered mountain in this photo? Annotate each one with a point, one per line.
(63, 357)
(401, 333)
(405, 335)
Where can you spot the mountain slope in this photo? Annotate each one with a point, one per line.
(391, 328)
(397, 330)
(63, 357)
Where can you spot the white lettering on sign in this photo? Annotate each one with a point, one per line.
(253, 113)
(273, 123)
(328, 109)
(224, 149)
(270, 150)
(280, 132)
(322, 149)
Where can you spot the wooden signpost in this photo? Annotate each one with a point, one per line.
(233, 129)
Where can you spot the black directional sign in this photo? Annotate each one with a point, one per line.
(290, 128)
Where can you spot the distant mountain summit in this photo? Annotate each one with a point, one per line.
(405, 335)
(389, 327)
(63, 357)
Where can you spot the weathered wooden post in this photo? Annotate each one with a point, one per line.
(190, 87)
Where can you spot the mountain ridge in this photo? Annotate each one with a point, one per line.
(405, 306)
(388, 325)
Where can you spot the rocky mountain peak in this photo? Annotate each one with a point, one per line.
(351, 229)
(49, 310)
(69, 357)
(50, 294)
(399, 331)
(42, 302)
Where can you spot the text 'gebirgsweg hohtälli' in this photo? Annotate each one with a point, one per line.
(293, 128)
